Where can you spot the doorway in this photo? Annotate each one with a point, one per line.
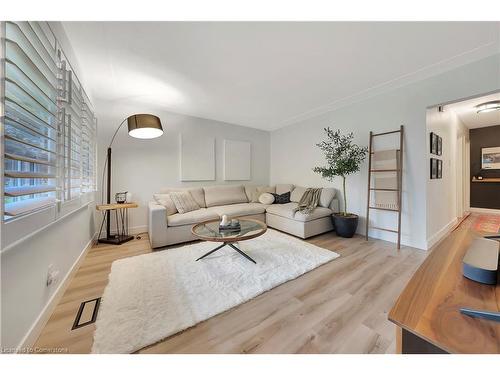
(480, 183)
(457, 182)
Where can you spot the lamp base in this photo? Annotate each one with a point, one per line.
(116, 239)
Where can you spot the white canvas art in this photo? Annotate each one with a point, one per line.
(237, 160)
(197, 158)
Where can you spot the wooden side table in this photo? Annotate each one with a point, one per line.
(121, 217)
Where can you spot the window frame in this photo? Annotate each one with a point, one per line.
(19, 228)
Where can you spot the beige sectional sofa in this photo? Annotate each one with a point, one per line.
(239, 201)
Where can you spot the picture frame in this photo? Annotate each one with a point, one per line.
(433, 143)
(439, 169)
(490, 158)
(439, 145)
(433, 168)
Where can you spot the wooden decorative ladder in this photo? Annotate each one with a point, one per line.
(398, 190)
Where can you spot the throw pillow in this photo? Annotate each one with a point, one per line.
(266, 198)
(281, 198)
(197, 193)
(184, 202)
(261, 190)
(166, 201)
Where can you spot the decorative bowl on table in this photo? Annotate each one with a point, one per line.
(230, 226)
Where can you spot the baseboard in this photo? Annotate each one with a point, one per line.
(479, 210)
(30, 338)
(131, 230)
(138, 229)
(441, 234)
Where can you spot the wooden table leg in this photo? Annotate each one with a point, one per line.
(399, 340)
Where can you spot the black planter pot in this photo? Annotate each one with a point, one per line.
(345, 226)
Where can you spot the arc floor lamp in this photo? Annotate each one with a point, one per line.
(143, 126)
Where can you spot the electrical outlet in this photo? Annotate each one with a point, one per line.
(52, 275)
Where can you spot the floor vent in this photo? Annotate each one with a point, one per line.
(87, 313)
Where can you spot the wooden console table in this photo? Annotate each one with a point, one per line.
(427, 312)
(121, 217)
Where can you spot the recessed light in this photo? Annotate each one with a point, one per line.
(488, 106)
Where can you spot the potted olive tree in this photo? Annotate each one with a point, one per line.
(343, 157)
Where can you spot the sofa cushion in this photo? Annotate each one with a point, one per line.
(297, 193)
(317, 213)
(249, 189)
(240, 209)
(166, 201)
(284, 210)
(283, 188)
(288, 210)
(326, 197)
(224, 194)
(192, 217)
(184, 201)
(197, 193)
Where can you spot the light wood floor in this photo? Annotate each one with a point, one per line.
(340, 307)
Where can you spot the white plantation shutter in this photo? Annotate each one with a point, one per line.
(30, 121)
(89, 147)
(49, 135)
(71, 128)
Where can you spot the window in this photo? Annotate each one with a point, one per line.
(49, 132)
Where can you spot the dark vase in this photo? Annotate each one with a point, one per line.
(345, 226)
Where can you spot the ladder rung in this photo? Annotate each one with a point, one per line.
(384, 189)
(383, 209)
(396, 149)
(385, 170)
(387, 230)
(391, 132)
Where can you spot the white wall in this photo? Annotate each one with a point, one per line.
(293, 151)
(143, 167)
(443, 194)
(24, 266)
(25, 294)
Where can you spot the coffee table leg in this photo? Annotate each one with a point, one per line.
(212, 251)
(242, 253)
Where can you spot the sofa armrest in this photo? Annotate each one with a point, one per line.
(157, 222)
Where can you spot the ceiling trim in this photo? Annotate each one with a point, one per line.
(476, 54)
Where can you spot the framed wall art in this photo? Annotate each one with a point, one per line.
(433, 143)
(439, 169)
(490, 158)
(197, 158)
(433, 168)
(237, 160)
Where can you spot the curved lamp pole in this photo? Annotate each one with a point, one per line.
(143, 126)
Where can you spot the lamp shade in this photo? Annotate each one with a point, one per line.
(144, 126)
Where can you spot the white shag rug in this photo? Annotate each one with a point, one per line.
(152, 296)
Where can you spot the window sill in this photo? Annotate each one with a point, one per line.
(16, 231)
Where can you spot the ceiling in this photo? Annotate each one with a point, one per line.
(264, 75)
(467, 112)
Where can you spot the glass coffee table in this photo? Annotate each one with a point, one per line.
(209, 231)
